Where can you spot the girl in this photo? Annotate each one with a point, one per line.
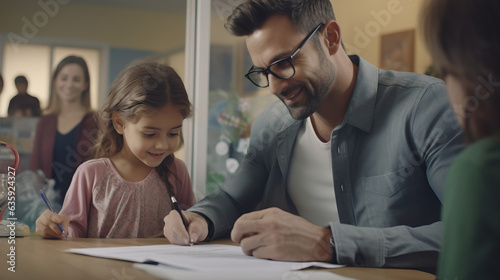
(125, 191)
(464, 41)
(68, 127)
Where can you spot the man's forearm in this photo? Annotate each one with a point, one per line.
(400, 246)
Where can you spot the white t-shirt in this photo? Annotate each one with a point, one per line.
(310, 178)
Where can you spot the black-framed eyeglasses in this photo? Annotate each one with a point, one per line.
(282, 69)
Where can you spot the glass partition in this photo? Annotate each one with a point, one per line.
(233, 101)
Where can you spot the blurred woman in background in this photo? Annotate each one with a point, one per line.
(68, 127)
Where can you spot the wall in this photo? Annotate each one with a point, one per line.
(372, 18)
(119, 27)
(129, 33)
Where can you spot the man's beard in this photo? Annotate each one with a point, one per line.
(314, 100)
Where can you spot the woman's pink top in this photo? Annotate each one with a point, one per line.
(101, 204)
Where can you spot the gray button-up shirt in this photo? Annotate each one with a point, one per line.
(390, 157)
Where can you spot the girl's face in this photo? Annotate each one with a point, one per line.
(150, 139)
(70, 83)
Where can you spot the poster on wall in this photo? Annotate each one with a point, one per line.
(397, 51)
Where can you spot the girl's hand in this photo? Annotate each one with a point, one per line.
(176, 233)
(46, 225)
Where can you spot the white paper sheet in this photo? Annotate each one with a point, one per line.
(202, 257)
(166, 272)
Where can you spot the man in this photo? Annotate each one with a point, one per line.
(1, 84)
(349, 167)
(23, 104)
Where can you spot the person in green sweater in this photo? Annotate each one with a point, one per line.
(463, 38)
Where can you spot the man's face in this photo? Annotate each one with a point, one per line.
(22, 87)
(314, 72)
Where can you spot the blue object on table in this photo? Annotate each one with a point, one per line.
(47, 202)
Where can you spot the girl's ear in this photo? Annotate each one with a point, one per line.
(118, 122)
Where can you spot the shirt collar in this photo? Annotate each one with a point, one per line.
(362, 104)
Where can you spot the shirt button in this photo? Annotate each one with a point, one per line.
(342, 187)
(358, 259)
(338, 150)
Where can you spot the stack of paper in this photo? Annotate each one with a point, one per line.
(199, 261)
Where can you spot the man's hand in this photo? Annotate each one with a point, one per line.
(46, 225)
(176, 233)
(278, 235)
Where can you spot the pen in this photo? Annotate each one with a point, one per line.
(175, 204)
(47, 202)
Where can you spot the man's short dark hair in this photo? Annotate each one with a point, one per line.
(20, 80)
(304, 14)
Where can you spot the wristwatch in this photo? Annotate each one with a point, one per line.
(334, 252)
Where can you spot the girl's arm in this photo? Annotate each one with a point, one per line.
(77, 201)
(183, 187)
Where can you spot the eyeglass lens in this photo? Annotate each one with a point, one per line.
(282, 69)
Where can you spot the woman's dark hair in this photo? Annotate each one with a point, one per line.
(141, 89)
(463, 39)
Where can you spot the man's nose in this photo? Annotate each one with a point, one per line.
(276, 85)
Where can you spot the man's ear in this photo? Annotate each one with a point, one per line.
(118, 122)
(332, 37)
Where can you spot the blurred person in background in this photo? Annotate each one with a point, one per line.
(1, 84)
(23, 104)
(68, 127)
